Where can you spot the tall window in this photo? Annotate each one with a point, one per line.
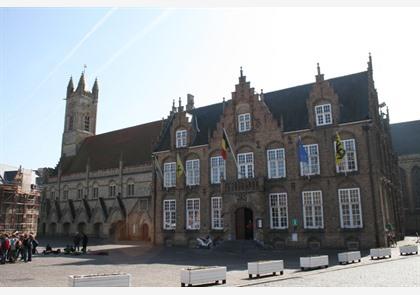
(350, 208)
(169, 174)
(246, 165)
(181, 138)
(349, 162)
(193, 172)
(276, 163)
(112, 190)
(312, 209)
(95, 191)
(52, 195)
(193, 213)
(80, 193)
(244, 122)
(278, 211)
(216, 213)
(65, 194)
(86, 123)
(169, 214)
(130, 189)
(323, 114)
(312, 167)
(218, 171)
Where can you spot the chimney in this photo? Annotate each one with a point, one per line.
(190, 102)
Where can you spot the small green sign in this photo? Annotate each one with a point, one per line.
(294, 222)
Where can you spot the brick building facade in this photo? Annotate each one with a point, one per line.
(272, 197)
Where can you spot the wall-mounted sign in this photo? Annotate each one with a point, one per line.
(294, 222)
(294, 237)
(259, 223)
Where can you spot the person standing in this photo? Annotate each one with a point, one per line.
(76, 241)
(84, 242)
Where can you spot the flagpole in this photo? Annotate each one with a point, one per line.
(233, 154)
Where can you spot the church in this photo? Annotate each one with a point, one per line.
(260, 166)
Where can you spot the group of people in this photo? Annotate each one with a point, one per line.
(80, 238)
(17, 245)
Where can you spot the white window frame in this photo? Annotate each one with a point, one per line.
(130, 189)
(311, 207)
(181, 138)
(216, 213)
(217, 169)
(312, 167)
(244, 122)
(349, 146)
(354, 206)
(245, 165)
(322, 115)
(169, 214)
(279, 218)
(276, 159)
(192, 214)
(192, 174)
(169, 174)
(112, 190)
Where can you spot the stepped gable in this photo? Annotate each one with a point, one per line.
(104, 151)
(406, 137)
(290, 103)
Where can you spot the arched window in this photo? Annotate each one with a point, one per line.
(112, 189)
(65, 193)
(415, 180)
(95, 191)
(80, 192)
(130, 188)
(86, 123)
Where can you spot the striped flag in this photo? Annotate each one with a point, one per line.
(225, 147)
(340, 152)
(179, 166)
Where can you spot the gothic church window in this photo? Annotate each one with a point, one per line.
(86, 123)
(323, 114)
(112, 190)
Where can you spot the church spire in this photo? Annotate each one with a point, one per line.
(70, 87)
(82, 84)
(95, 89)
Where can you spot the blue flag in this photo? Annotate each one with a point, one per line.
(303, 155)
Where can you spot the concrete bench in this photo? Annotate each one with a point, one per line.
(380, 253)
(265, 267)
(100, 280)
(409, 250)
(349, 257)
(203, 275)
(313, 262)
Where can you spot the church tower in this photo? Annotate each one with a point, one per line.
(80, 115)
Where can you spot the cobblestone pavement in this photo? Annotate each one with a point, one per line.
(160, 267)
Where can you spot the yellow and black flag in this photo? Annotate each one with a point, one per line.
(340, 152)
(179, 166)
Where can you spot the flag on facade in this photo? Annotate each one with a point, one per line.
(179, 166)
(158, 169)
(303, 155)
(225, 147)
(340, 152)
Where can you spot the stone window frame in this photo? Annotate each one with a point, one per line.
(181, 138)
(246, 164)
(130, 188)
(356, 201)
(323, 114)
(278, 162)
(192, 214)
(314, 205)
(216, 213)
(217, 169)
(311, 160)
(169, 214)
(95, 191)
(169, 174)
(244, 122)
(65, 193)
(112, 189)
(280, 203)
(79, 192)
(344, 167)
(86, 123)
(192, 172)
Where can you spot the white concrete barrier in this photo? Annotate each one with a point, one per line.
(380, 253)
(265, 267)
(409, 250)
(313, 262)
(349, 257)
(100, 280)
(203, 275)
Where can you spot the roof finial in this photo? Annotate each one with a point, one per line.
(241, 72)
(318, 68)
(370, 68)
(319, 77)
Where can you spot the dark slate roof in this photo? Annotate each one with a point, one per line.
(406, 137)
(104, 150)
(290, 103)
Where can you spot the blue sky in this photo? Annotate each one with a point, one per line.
(144, 58)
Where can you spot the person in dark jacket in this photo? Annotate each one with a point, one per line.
(27, 247)
(84, 242)
(76, 241)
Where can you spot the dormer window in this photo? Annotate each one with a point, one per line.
(181, 138)
(323, 114)
(244, 122)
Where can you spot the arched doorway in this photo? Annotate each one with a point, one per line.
(97, 228)
(66, 229)
(244, 221)
(53, 229)
(144, 233)
(81, 227)
(117, 231)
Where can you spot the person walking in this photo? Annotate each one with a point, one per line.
(84, 242)
(76, 241)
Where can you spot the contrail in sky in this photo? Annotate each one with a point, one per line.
(133, 40)
(70, 54)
